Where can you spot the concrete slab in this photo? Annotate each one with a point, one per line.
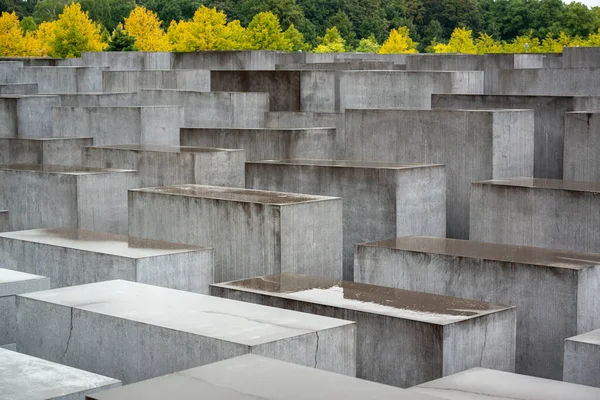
(253, 232)
(131, 60)
(4, 221)
(549, 81)
(554, 291)
(11, 284)
(404, 338)
(242, 60)
(266, 144)
(379, 199)
(243, 378)
(54, 151)
(50, 196)
(487, 384)
(582, 143)
(134, 331)
(73, 257)
(132, 81)
(28, 378)
(125, 99)
(582, 359)
(18, 88)
(67, 79)
(27, 116)
(172, 165)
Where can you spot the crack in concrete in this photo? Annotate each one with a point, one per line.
(70, 335)
(317, 349)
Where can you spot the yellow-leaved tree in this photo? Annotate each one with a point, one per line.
(524, 44)
(296, 39)
(13, 42)
(331, 42)
(593, 39)
(144, 25)
(399, 42)
(206, 31)
(485, 44)
(461, 41)
(265, 33)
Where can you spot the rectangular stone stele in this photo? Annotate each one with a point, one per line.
(4, 222)
(487, 384)
(405, 338)
(132, 331)
(11, 284)
(548, 213)
(54, 196)
(582, 359)
(74, 257)
(56, 151)
(172, 165)
(380, 200)
(555, 292)
(253, 232)
(245, 378)
(23, 377)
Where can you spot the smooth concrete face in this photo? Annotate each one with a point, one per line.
(561, 302)
(404, 338)
(27, 116)
(62, 79)
(19, 88)
(582, 142)
(237, 60)
(582, 359)
(73, 257)
(125, 61)
(134, 331)
(28, 378)
(473, 145)
(487, 384)
(379, 199)
(132, 81)
(253, 232)
(4, 221)
(549, 81)
(99, 99)
(172, 165)
(243, 378)
(53, 151)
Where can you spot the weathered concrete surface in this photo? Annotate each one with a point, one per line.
(129, 60)
(157, 125)
(380, 200)
(46, 196)
(554, 291)
(404, 338)
(171, 165)
(581, 57)
(135, 332)
(473, 145)
(8, 69)
(99, 99)
(18, 88)
(27, 116)
(582, 144)
(4, 221)
(555, 214)
(74, 257)
(549, 81)
(582, 359)
(11, 284)
(349, 65)
(28, 378)
(266, 144)
(235, 60)
(237, 378)
(213, 109)
(487, 384)
(132, 81)
(549, 122)
(54, 151)
(61, 79)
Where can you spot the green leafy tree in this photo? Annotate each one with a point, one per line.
(120, 40)
(296, 39)
(331, 42)
(108, 13)
(265, 33)
(342, 22)
(48, 10)
(28, 24)
(368, 45)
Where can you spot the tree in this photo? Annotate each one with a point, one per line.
(523, 44)
(296, 39)
(121, 40)
(13, 41)
(206, 31)
(342, 22)
(108, 13)
(368, 45)
(399, 42)
(461, 41)
(485, 44)
(144, 25)
(171, 10)
(331, 42)
(28, 24)
(236, 37)
(48, 10)
(265, 33)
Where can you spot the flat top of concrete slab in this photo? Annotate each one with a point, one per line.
(491, 251)
(233, 321)
(28, 378)
(344, 164)
(488, 384)
(59, 169)
(259, 130)
(164, 149)
(100, 242)
(552, 184)
(405, 304)
(251, 377)
(234, 194)
(46, 139)
(15, 282)
(592, 337)
(9, 275)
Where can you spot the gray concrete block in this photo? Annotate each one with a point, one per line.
(555, 214)
(54, 151)
(72, 257)
(135, 332)
(18, 88)
(99, 99)
(62, 79)
(253, 232)
(474, 145)
(346, 65)
(47, 196)
(404, 338)
(8, 69)
(28, 378)
(129, 60)
(238, 60)
(380, 200)
(11, 284)
(4, 221)
(581, 57)
(582, 359)
(132, 81)
(120, 125)
(555, 292)
(243, 378)
(549, 81)
(549, 122)
(582, 143)
(487, 384)
(266, 144)
(213, 109)
(27, 116)
(172, 165)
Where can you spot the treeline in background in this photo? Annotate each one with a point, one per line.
(61, 28)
